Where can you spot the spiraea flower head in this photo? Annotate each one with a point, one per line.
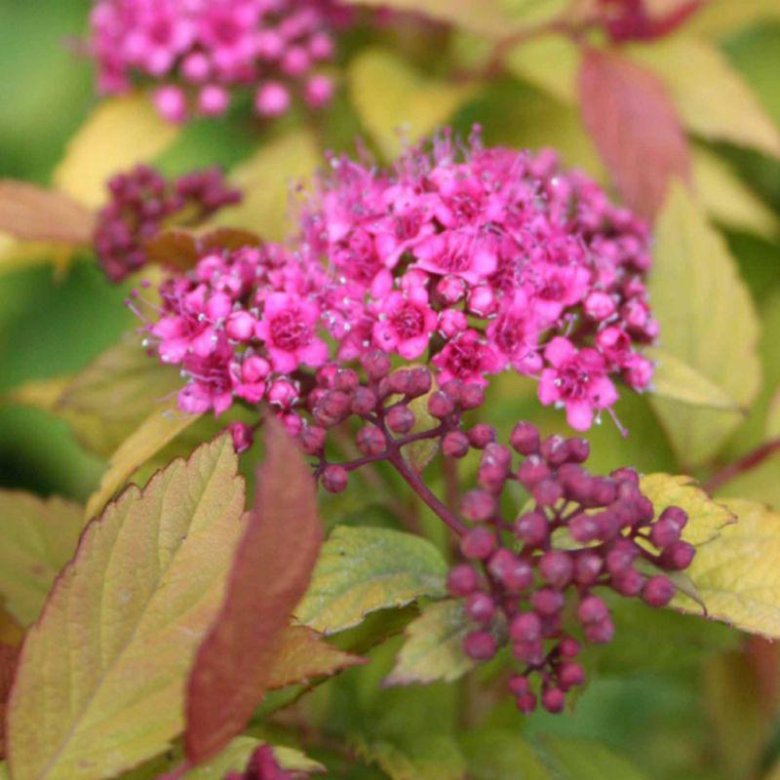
(199, 54)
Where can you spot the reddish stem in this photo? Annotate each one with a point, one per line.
(744, 464)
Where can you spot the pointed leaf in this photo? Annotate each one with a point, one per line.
(100, 684)
(674, 379)
(37, 538)
(707, 518)
(707, 320)
(412, 105)
(271, 572)
(36, 214)
(120, 133)
(736, 574)
(713, 99)
(531, 60)
(303, 655)
(635, 128)
(433, 649)
(8, 659)
(362, 570)
(155, 432)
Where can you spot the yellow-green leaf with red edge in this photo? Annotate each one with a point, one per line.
(32, 213)
(412, 105)
(37, 538)
(736, 574)
(160, 428)
(101, 679)
(635, 127)
(712, 98)
(433, 649)
(708, 321)
(8, 659)
(270, 573)
(121, 132)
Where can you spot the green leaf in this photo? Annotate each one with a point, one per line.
(100, 684)
(531, 60)
(727, 199)
(411, 106)
(267, 180)
(582, 759)
(37, 538)
(706, 518)
(722, 18)
(120, 133)
(773, 418)
(361, 570)
(707, 320)
(676, 380)
(433, 649)
(736, 573)
(712, 98)
(498, 754)
(428, 757)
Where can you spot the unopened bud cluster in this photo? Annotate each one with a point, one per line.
(201, 54)
(532, 580)
(142, 202)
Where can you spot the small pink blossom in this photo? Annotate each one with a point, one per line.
(467, 357)
(405, 324)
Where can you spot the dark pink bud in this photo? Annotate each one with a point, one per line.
(602, 492)
(335, 479)
(584, 528)
(472, 396)
(526, 628)
(518, 685)
(481, 435)
(440, 405)
(420, 382)
(451, 289)
(587, 567)
(626, 475)
(462, 580)
(400, 380)
(579, 450)
(242, 436)
(376, 365)
(621, 557)
(526, 703)
(479, 645)
(629, 583)
(556, 568)
(548, 492)
(529, 652)
(371, 441)
(525, 439)
(658, 591)
(678, 556)
(555, 450)
(400, 419)
(570, 675)
(452, 388)
(554, 700)
(532, 528)
(532, 471)
(346, 380)
(455, 444)
(478, 505)
(478, 543)
(480, 608)
(592, 610)
(364, 401)
(600, 633)
(664, 533)
(569, 647)
(313, 439)
(547, 602)
(514, 573)
(675, 516)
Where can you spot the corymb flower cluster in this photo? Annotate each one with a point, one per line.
(200, 53)
(529, 580)
(475, 260)
(142, 202)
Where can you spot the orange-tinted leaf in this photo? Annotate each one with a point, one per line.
(11, 633)
(36, 214)
(173, 249)
(303, 655)
(8, 658)
(228, 238)
(271, 572)
(635, 128)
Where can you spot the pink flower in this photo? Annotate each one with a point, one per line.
(460, 253)
(515, 334)
(288, 330)
(405, 324)
(577, 380)
(467, 357)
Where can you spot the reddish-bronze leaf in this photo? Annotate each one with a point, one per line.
(304, 655)
(37, 214)
(8, 658)
(271, 572)
(174, 249)
(635, 128)
(228, 238)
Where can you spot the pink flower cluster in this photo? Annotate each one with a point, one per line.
(477, 261)
(201, 52)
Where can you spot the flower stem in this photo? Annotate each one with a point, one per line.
(744, 464)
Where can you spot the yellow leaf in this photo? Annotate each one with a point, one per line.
(267, 180)
(120, 133)
(533, 61)
(727, 199)
(707, 320)
(100, 685)
(773, 418)
(397, 104)
(713, 99)
(736, 574)
(722, 18)
(37, 538)
(674, 379)
(161, 427)
(16, 254)
(707, 518)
